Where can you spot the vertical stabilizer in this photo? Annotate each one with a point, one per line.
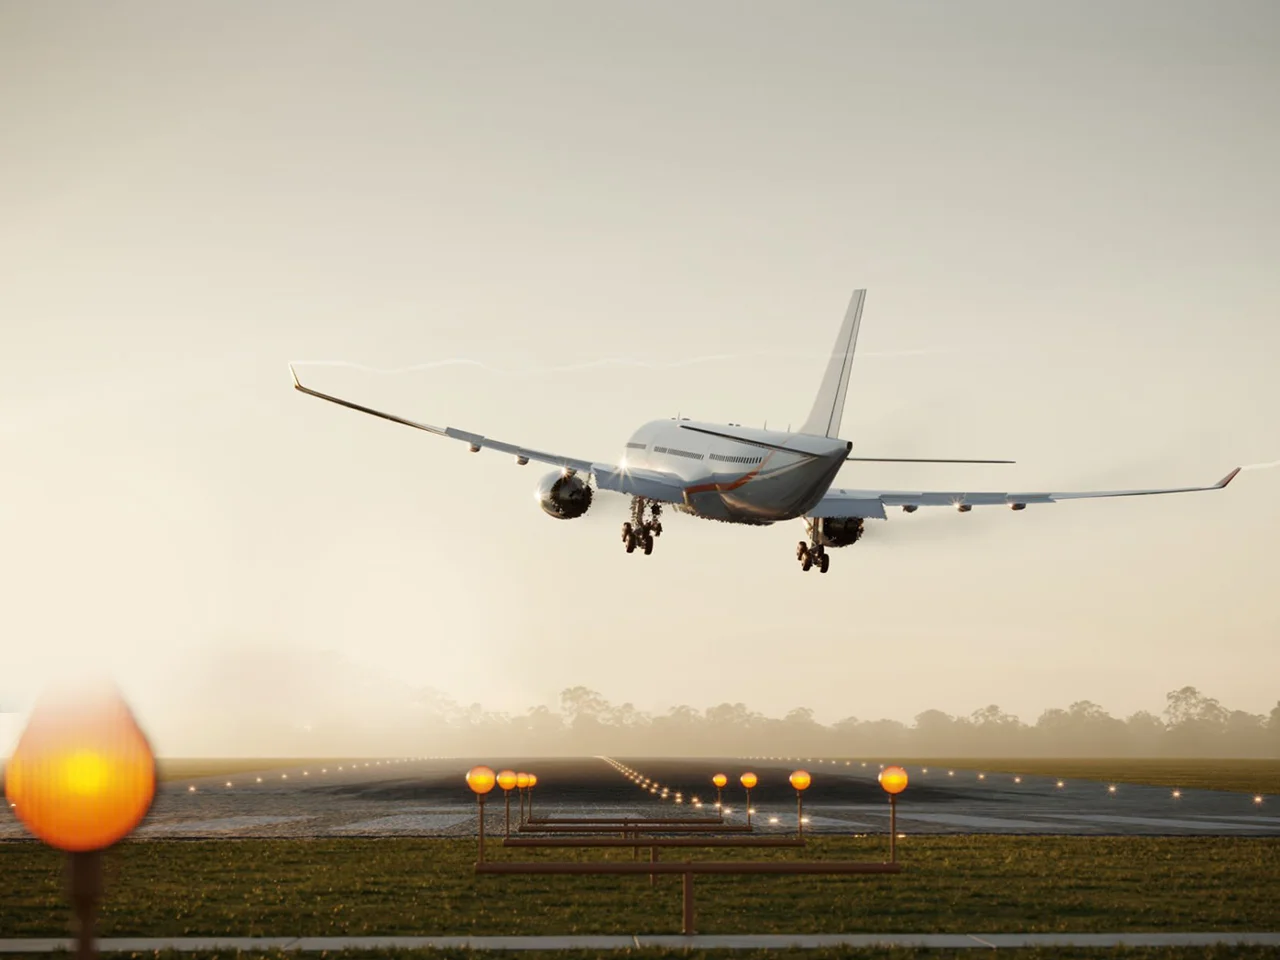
(828, 407)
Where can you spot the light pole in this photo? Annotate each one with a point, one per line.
(507, 780)
(800, 779)
(81, 778)
(894, 781)
(533, 782)
(481, 781)
(522, 782)
(749, 780)
(719, 780)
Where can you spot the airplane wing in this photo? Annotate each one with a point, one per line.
(653, 484)
(872, 503)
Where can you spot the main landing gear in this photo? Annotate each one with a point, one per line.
(813, 556)
(639, 532)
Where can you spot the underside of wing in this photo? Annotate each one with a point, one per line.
(872, 503)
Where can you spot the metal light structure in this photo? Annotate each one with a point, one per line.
(507, 780)
(719, 780)
(749, 780)
(533, 782)
(522, 783)
(800, 779)
(481, 780)
(894, 781)
(81, 778)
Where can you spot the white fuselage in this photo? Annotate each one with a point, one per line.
(726, 479)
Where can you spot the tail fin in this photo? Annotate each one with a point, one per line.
(828, 407)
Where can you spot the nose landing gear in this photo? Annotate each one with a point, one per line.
(641, 532)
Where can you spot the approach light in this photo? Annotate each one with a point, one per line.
(82, 775)
(749, 780)
(259, 779)
(1111, 788)
(893, 780)
(507, 779)
(191, 789)
(800, 779)
(533, 780)
(481, 780)
(1061, 784)
(1257, 798)
(719, 780)
(1177, 794)
(1017, 779)
(522, 780)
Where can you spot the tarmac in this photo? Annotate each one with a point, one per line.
(429, 798)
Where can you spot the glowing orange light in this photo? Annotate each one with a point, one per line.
(82, 775)
(893, 780)
(801, 779)
(749, 780)
(719, 780)
(533, 780)
(480, 780)
(507, 779)
(522, 780)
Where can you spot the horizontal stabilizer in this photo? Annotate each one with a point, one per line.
(919, 460)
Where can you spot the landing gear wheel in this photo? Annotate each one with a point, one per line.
(630, 541)
(648, 545)
(826, 562)
(657, 529)
(626, 530)
(806, 561)
(802, 550)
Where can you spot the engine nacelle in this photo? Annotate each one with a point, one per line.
(841, 531)
(564, 496)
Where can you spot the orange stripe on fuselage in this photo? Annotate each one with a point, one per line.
(732, 484)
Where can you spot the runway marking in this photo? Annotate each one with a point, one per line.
(959, 820)
(406, 821)
(223, 823)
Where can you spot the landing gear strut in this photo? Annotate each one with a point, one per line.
(838, 532)
(639, 532)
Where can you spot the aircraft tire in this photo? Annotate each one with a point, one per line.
(826, 562)
(630, 541)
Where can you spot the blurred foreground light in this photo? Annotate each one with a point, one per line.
(522, 780)
(719, 780)
(749, 780)
(82, 775)
(800, 779)
(1017, 779)
(893, 780)
(1061, 784)
(480, 780)
(773, 819)
(259, 779)
(507, 779)
(191, 789)
(533, 780)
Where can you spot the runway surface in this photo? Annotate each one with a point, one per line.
(429, 797)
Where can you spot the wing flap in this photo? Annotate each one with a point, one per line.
(859, 503)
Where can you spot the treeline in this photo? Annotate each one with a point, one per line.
(585, 723)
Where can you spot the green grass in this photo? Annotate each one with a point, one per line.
(1244, 776)
(961, 884)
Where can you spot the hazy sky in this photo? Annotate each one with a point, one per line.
(1067, 217)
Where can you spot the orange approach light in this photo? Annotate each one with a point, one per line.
(801, 779)
(507, 779)
(522, 780)
(893, 780)
(749, 780)
(82, 775)
(533, 780)
(480, 780)
(719, 780)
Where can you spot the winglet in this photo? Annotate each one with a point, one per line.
(1228, 478)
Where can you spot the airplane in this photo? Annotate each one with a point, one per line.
(742, 475)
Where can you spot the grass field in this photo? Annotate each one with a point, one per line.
(427, 887)
(877, 953)
(1245, 776)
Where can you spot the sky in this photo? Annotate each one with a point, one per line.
(571, 218)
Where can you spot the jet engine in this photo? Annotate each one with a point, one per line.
(564, 496)
(841, 531)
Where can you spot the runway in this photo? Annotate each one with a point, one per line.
(429, 798)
